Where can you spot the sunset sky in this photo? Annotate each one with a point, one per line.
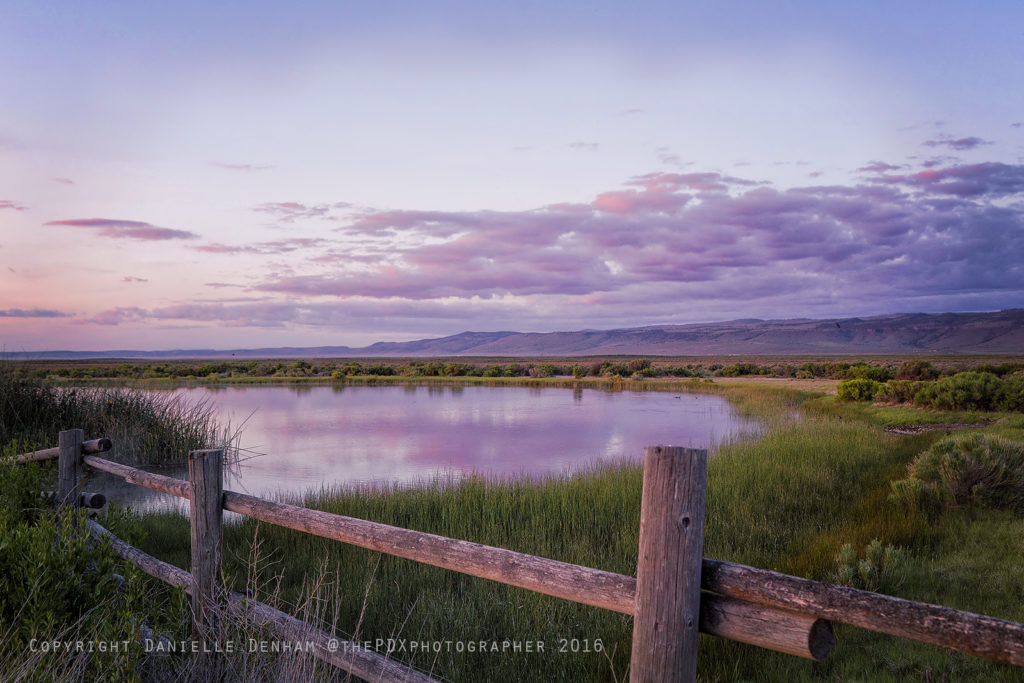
(230, 175)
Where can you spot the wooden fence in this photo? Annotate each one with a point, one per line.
(675, 594)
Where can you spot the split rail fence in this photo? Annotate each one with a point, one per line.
(676, 592)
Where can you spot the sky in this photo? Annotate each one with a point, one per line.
(239, 175)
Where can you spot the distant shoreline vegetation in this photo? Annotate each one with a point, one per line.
(636, 368)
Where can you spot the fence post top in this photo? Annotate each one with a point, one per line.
(204, 453)
(674, 450)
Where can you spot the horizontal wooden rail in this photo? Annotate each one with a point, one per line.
(954, 629)
(974, 634)
(734, 619)
(88, 447)
(133, 475)
(347, 655)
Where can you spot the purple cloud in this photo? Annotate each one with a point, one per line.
(8, 204)
(138, 230)
(64, 181)
(678, 236)
(879, 167)
(959, 144)
(32, 313)
(990, 179)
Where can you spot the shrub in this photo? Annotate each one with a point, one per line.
(875, 372)
(917, 370)
(974, 469)
(963, 391)
(857, 390)
(1013, 392)
(881, 568)
(898, 391)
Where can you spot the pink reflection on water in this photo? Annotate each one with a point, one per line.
(312, 437)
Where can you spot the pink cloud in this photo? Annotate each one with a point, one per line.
(64, 181)
(132, 278)
(8, 204)
(139, 230)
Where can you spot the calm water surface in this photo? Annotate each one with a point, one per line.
(311, 437)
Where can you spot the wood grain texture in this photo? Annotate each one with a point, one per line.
(963, 631)
(93, 446)
(132, 475)
(69, 467)
(667, 612)
(561, 579)
(780, 630)
(208, 593)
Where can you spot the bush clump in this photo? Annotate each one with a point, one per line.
(917, 370)
(974, 469)
(881, 569)
(857, 390)
(898, 391)
(963, 391)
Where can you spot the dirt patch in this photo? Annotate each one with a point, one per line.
(950, 426)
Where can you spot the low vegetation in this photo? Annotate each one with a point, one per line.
(878, 369)
(146, 428)
(974, 469)
(811, 496)
(973, 390)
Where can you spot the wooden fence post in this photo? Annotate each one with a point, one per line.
(205, 511)
(69, 468)
(667, 611)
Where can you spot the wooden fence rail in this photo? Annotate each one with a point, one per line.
(757, 606)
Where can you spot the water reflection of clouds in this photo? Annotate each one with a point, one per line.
(321, 436)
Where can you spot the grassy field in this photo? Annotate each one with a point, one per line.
(787, 501)
(816, 480)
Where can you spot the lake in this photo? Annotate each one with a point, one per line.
(323, 436)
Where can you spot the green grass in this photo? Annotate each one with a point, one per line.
(785, 501)
(146, 428)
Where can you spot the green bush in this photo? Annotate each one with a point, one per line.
(898, 391)
(1013, 392)
(857, 390)
(917, 370)
(974, 469)
(875, 372)
(963, 391)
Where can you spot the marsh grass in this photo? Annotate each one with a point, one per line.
(147, 428)
(787, 500)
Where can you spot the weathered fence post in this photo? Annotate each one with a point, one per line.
(206, 480)
(667, 612)
(69, 468)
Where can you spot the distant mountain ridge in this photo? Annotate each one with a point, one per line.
(904, 333)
